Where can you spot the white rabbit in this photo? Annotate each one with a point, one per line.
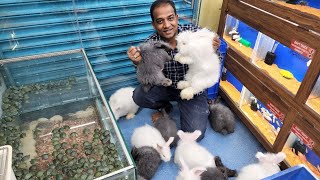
(193, 154)
(122, 104)
(189, 174)
(195, 49)
(149, 136)
(267, 166)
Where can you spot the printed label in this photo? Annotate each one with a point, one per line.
(275, 111)
(302, 49)
(305, 139)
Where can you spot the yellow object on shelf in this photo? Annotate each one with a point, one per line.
(286, 74)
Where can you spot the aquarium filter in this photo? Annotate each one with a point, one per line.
(271, 56)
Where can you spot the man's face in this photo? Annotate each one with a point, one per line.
(165, 21)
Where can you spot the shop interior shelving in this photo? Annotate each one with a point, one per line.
(285, 24)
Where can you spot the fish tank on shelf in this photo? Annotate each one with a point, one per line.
(285, 65)
(57, 120)
(240, 37)
(265, 117)
(231, 85)
(300, 148)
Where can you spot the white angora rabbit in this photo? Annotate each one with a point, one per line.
(150, 136)
(122, 104)
(193, 154)
(196, 50)
(267, 166)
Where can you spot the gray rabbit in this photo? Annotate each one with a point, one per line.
(218, 173)
(149, 70)
(221, 117)
(167, 128)
(147, 160)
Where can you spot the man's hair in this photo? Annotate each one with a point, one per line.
(158, 3)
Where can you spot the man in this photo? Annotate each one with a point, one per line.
(193, 113)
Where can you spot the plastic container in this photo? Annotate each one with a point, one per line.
(6, 172)
(213, 90)
(300, 172)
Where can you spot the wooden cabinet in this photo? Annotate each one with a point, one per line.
(287, 91)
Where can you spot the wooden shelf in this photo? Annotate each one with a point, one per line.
(314, 104)
(273, 71)
(253, 129)
(305, 16)
(232, 92)
(292, 160)
(245, 52)
(286, 24)
(260, 123)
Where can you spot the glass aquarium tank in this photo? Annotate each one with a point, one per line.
(265, 117)
(57, 120)
(285, 65)
(231, 85)
(299, 149)
(240, 36)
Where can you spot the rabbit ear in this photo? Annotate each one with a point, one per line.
(196, 134)
(170, 140)
(180, 133)
(162, 45)
(159, 147)
(198, 170)
(260, 155)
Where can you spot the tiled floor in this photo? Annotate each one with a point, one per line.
(236, 150)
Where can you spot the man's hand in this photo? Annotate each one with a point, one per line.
(216, 43)
(134, 55)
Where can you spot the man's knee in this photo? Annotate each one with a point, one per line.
(194, 115)
(138, 96)
(195, 126)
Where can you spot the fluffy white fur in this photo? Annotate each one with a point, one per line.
(186, 173)
(267, 166)
(195, 49)
(149, 136)
(122, 104)
(191, 152)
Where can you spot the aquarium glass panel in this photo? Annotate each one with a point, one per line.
(286, 65)
(56, 118)
(231, 85)
(314, 98)
(299, 149)
(264, 117)
(239, 36)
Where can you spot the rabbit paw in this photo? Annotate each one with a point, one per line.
(187, 93)
(177, 57)
(130, 116)
(183, 84)
(166, 82)
(183, 59)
